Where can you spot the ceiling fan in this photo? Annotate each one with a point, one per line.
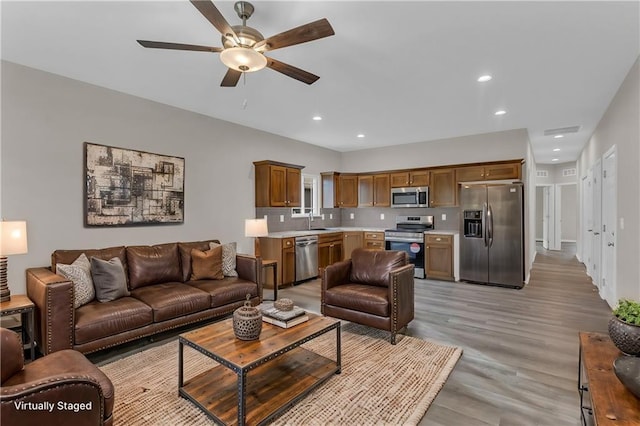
(244, 46)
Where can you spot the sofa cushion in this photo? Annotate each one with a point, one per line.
(185, 255)
(96, 320)
(359, 297)
(172, 300)
(229, 252)
(206, 265)
(229, 290)
(79, 272)
(68, 256)
(372, 267)
(109, 279)
(150, 265)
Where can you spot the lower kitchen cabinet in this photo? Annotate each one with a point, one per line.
(283, 251)
(329, 249)
(439, 257)
(373, 240)
(352, 240)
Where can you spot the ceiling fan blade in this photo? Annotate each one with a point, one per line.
(302, 34)
(231, 78)
(178, 46)
(291, 71)
(213, 15)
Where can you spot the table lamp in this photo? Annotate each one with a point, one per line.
(256, 228)
(13, 240)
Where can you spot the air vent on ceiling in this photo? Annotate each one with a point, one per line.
(561, 130)
(568, 172)
(542, 173)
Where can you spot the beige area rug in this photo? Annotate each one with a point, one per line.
(379, 384)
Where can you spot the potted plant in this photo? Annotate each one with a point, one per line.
(624, 327)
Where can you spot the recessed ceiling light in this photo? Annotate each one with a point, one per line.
(556, 149)
(360, 135)
(555, 159)
(484, 78)
(317, 118)
(558, 136)
(500, 112)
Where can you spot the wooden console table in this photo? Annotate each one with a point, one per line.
(611, 404)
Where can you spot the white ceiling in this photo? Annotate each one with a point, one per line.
(399, 72)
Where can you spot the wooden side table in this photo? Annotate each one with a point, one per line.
(21, 304)
(611, 403)
(273, 264)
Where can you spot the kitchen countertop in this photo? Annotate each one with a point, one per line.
(299, 233)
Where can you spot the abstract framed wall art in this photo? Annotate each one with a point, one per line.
(125, 187)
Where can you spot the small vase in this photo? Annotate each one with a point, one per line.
(625, 336)
(247, 321)
(627, 369)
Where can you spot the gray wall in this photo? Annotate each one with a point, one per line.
(620, 126)
(45, 120)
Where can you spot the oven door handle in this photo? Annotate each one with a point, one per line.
(404, 240)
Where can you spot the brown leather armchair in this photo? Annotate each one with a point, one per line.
(61, 388)
(373, 288)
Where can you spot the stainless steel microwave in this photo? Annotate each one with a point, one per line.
(410, 197)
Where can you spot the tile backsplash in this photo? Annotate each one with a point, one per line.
(369, 217)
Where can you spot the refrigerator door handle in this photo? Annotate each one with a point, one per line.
(484, 224)
(490, 225)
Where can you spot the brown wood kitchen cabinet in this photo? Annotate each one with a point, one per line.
(339, 190)
(374, 190)
(496, 171)
(329, 249)
(351, 241)
(439, 256)
(374, 240)
(443, 191)
(283, 251)
(410, 178)
(277, 184)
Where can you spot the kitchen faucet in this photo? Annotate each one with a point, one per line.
(310, 218)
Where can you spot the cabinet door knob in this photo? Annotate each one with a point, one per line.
(438, 239)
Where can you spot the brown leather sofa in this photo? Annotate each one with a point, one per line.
(162, 297)
(373, 288)
(61, 388)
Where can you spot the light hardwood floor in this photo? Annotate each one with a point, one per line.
(520, 359)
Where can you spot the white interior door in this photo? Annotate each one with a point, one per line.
(587, 223)
(545, 217)
(596, 244)
(556, 242)
(609, 227)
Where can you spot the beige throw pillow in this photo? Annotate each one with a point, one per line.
(79, 272)
(206, 265)
(228, 258)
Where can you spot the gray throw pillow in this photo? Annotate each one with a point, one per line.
(228, 258)
(79, 272)
(109, 279)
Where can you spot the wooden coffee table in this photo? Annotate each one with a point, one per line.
(259, 379)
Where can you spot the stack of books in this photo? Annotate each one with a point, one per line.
(284, 319)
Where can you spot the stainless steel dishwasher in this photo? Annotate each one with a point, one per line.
(306, 257)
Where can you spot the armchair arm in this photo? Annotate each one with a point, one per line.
(250, 268)
(401, 295)
(54, 312)
(76, 399)
(336, 274)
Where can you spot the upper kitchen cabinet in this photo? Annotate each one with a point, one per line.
(374, 190)
(443, 191)
(499, 171)
(277, 184)
(339, 190)
(410, 178)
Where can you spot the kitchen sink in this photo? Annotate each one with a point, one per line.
(318, 229)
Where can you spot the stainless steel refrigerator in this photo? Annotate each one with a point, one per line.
(492, 240)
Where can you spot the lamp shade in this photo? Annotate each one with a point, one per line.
(256, 228)
(13, 237)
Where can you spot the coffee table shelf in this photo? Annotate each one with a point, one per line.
(256, 380)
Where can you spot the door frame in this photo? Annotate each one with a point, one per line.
(608, 291)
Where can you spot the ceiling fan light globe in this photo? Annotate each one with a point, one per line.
(243, 59)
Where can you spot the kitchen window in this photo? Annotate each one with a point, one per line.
(310, 199)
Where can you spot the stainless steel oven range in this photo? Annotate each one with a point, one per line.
(408, 236)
